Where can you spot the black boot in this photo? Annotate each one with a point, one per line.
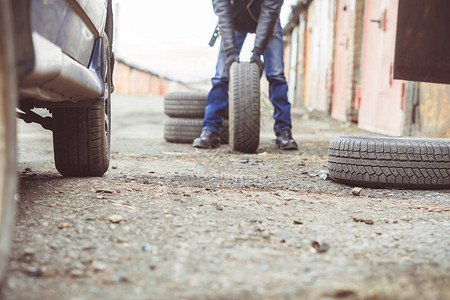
(284, 140)
(207, 140)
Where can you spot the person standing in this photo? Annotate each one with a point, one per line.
(237, 18)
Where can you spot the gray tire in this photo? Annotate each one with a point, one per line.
(185, 131)
(244, 107)
(391, 162)
(185, 105)
(8, 169)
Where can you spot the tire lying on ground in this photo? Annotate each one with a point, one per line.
(244, 107)
(421, 163)
(185, 105)
(181, 130)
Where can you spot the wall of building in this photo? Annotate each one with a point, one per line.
(132, 80)
(355, 82)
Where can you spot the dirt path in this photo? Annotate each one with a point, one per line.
(170, 222)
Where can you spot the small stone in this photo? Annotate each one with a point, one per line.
(265, 235)
(63, 225)
(76, 273)
(369, 222)
(29, 252)
(115, 218)
(104, 191)
(146, 247)
(34, 272)
(356, 191)
(319, 246)
(98, 266)
(288, 199)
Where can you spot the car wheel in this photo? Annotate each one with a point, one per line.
(82, 135)
(8, 98)
(391, 162)
(244, 107)
(179, 130)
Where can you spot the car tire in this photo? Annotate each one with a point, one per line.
(185, 131)
(82, 135)
(244, 107)
(185, 105)
(8, 169)
(397, 162)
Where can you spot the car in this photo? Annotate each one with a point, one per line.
(54, 55)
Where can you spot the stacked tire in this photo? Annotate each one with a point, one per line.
(186, 111)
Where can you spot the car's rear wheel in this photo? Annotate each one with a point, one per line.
(8, 98)
(82, 135)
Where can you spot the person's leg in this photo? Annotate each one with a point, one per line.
(278, 88)
(274, 69)
(217, 102)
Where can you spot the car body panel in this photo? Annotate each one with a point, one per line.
(64, 37)
(57, 77)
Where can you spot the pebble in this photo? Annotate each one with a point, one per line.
(356, 191)
(146, 247)
(319, 246)
(98, 266)
(115, 218)
(76, 273)
(63, 225)
(34, 272)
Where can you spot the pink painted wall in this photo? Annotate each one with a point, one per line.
(340, 74)
(381, 97)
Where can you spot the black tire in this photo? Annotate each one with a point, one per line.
(8, 169)
(185, 105)
(421, 163)
(244, 107)
(82, 135)
(185, 131)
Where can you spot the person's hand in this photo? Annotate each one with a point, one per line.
(256, 58)
(234, 57)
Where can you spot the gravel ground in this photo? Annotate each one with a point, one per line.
(171, 222)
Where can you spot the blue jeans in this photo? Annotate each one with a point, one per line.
(274, 69)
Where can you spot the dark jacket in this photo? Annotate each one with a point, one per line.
(259, 16)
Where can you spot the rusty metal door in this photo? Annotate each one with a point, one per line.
(423, 41)
(381, 97)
